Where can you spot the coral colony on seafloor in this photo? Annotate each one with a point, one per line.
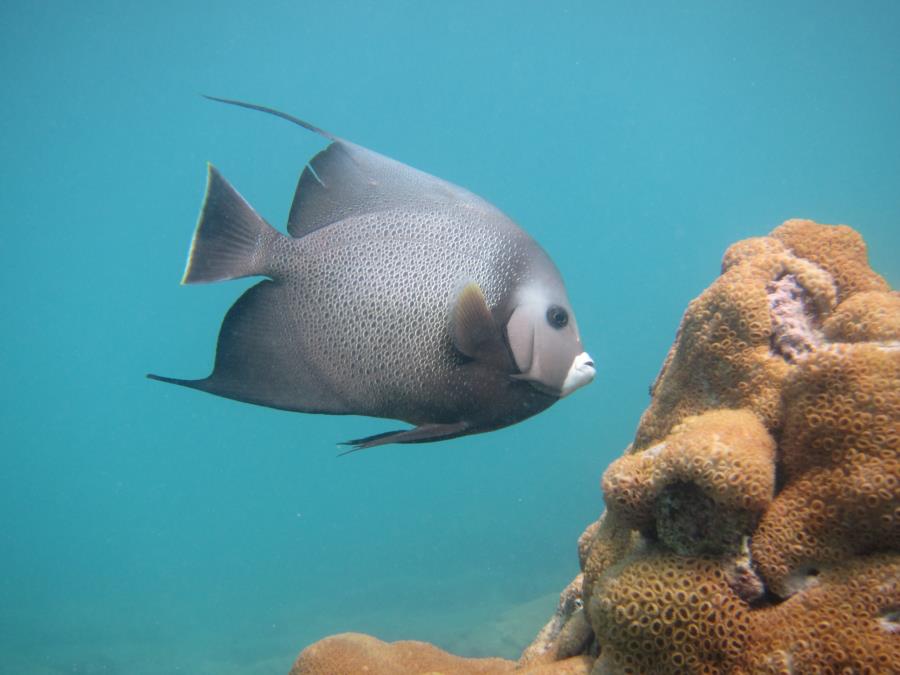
(753, 526)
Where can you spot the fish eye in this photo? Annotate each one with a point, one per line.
(557, 316)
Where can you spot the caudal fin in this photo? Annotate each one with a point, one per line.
(231, 239)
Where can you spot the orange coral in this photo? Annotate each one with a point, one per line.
(722, 356)
(840, 449)
(870, 316)
(800, 334)
(842, 403)
(666, 613)
(848, 622)
(838, 249)
(703, 487)
(358, 653)
(602, 545)
(827, 516)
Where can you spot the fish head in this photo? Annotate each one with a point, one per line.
(544, 340)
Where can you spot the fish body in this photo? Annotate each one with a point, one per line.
(395, 294)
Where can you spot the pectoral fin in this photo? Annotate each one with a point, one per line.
(474, 331)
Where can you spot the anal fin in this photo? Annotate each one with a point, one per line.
(425, 433)
(259, 361)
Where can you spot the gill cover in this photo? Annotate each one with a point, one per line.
(547, 348)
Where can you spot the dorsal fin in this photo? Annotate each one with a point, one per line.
(346, 180)
(272, 111)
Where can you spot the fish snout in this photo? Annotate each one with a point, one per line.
(580, 373)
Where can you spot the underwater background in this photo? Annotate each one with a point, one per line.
(150, 529)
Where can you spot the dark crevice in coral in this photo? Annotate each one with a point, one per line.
(768, 599)
(795, 322)
(889, 619)
(690, 522)
(650, 533)
(745, 582)
(780, 475)
(765, 597)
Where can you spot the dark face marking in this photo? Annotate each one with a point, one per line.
(557, 317)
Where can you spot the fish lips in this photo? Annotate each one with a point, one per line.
(581, 373)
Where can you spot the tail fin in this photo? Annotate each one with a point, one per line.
(231, 239)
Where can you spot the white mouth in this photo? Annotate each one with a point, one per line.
(580, 374)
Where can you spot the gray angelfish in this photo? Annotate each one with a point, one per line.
(396, 295)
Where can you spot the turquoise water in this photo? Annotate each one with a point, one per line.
(148, 529)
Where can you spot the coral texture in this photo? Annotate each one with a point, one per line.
(660, 612)
(738, 339)
(358, 653)
(702, 488)
(840, 450)
(847, 623)
(753, 525)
